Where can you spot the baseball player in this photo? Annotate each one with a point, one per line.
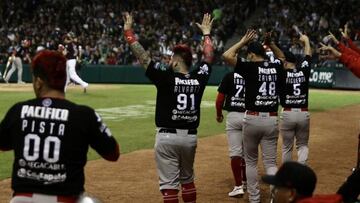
(71, 55)
(261, 103)
(177, 116)
(50, 137)
(295, 117)
(16, 63)
(231, 97)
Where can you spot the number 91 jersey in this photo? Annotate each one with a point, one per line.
(295, 85)
(178, 95)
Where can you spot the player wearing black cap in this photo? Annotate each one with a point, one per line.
(51, 136)
(262, 82)
(292, 183)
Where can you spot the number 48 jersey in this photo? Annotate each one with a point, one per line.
(178, 95)
(295, 85)
(262, 84)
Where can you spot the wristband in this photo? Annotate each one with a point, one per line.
(129, 36)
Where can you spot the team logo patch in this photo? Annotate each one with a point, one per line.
(266, 64)
(47, 102)
(204, 70)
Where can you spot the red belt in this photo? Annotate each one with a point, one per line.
(290, 109)
(63, 199)
(256, 113)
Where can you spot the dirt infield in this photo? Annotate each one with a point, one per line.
(333, 146)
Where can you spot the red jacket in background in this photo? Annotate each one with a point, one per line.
(350, 58)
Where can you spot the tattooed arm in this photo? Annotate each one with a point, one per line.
(205, 27)
(135, 46)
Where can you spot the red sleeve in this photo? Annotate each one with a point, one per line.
(344, 49)
(353, 46)
(352, 62)
(219, 103)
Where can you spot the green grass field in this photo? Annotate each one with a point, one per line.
(128, 110)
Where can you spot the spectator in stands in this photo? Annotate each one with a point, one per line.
(350, 57)
(98, 24)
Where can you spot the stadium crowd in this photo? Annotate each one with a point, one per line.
(315, 18)
(98, 25)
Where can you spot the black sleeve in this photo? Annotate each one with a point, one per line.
(224, 86)
(241, 66)
(101, 139)
(158, 73)
(203, 72)
(5, 127)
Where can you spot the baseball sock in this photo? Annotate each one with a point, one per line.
(189, 192)
(170, 196)
(237, 169)
(243, 169)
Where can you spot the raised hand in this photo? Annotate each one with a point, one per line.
(206, 24)
(346, 32)
(128, 21)
(332, 52)
(249, 36)
(304, 38)
(333, 38)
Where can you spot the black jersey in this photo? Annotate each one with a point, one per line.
(50, 139)
(71, 50)
(233, 86)
(178, 95)
(20, 51)
(262, 84)
(295, 85)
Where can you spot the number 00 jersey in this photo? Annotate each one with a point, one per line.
(50, 138)
(295, 86)
(178, 96)
(262, 84)
(233, 86)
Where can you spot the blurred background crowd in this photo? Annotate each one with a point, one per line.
(160, 24)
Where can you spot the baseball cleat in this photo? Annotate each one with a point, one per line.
(238, 190)
(20, 82)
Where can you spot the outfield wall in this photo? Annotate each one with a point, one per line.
(321, 77)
